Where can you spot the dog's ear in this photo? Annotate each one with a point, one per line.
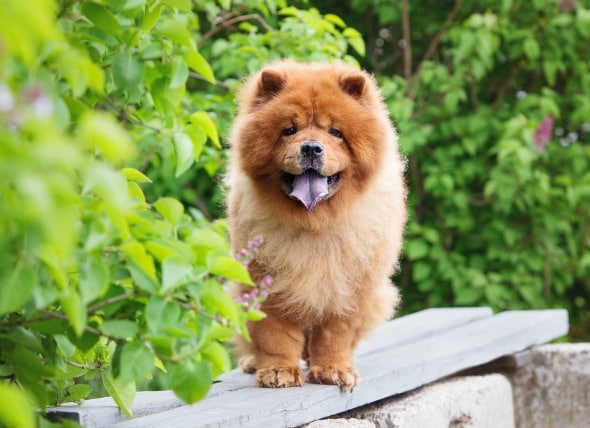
(270, 84)
(353, 84)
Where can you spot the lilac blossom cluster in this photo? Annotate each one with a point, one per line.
(258, 293)
(248, 254)
(543, 133)
(33, 100)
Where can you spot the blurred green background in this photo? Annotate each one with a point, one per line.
(113, 118)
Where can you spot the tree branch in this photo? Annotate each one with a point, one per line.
(225, 22)
(443, 29)
(218, 83)
(65, 318)
(407, 40)
(83, 366)
(431, 50)
(110, 301)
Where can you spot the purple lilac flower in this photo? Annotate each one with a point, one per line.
(543, 134)
(248, 254)
(567, 5)
(257, 294)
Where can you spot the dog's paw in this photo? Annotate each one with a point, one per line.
(279, 377)
(247, 363)
(343, 376)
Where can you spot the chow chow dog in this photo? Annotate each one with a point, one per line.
(315, 170)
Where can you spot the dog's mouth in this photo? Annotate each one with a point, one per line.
(310, 187)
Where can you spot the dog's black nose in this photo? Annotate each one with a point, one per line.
(312, 149)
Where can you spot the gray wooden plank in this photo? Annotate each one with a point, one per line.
(419, 325)
(104, 412)
(384, 373)
(406, 329)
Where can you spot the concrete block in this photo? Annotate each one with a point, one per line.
(341, 423)
(460, 402)
(551, 386)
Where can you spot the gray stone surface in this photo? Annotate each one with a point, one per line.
(551, 386)
(341, 423)
(460, 402)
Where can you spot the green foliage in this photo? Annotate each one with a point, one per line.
(498, 191)
(112, 118)
(112, 115)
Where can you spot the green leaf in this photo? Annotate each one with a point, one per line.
(103, 133)
(191, 381)
(136, 194)
(255, 315)
(175, 30)
(179, 73)
(176, 271)
(334, 19)
(101, 17)
(16, 288)
(79, 392)
(531, 48)
(216, 300)
(184, 153)
(132, 174)
(66, 347)
(153, 10)
(122, 392)
(85, 342)
(198, 138)
(166, 100)
(219, 263)
(199, 64)
(170, 208)
(163, 248)
(141, 279)
(127, 71)
(203, 120)
(355, 40)
(161, 314)
(21, 336)
(15, 408)
(137, 362)
(416, 249)
(468, 296)
(218, 356)
(420, 271)
(208, 239)
(94, 279)
(289, 11)
(139, 256)
(120, 329)
(75, 310)
(182, 5)
(31, 373)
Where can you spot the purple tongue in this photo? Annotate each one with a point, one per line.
(309, 188)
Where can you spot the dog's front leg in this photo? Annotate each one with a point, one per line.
(277, 348)
(331, 347)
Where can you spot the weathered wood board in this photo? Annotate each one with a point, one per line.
(399, 356)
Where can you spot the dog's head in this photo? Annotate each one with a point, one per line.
(311, 131)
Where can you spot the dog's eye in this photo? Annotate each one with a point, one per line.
(335, 133)
(289, 131)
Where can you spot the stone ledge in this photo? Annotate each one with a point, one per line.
(551, 385)
(466, 401)
(544, 386)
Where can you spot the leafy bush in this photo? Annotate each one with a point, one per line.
(112, 115)
(492, 103)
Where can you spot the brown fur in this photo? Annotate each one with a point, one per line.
(331, 266)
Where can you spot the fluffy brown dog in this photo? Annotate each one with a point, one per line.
(316, 172)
